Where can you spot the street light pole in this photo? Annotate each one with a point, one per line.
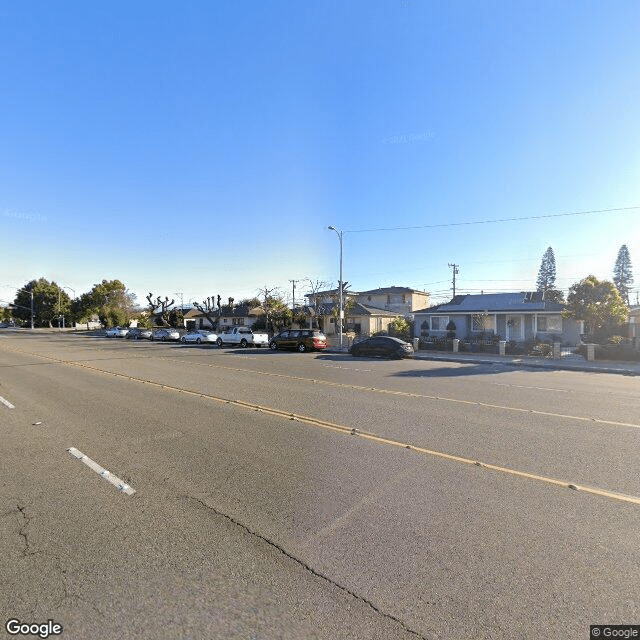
(331, 228)
(74, 297)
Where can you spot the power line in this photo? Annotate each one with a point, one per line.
(472, 222)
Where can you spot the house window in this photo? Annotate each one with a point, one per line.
(237, 321)
(482, 322)
(551, 324)
(439, 323)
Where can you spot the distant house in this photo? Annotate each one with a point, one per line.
(359, 318)
(226, 317)
(512, 316)
(633, 324)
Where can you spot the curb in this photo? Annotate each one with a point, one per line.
(546, 364)
(552, 364)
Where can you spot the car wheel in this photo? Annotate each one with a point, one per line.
(198, 340)
(183, 340)
(273, 346)
(219, 342)
(302, 347)
(163, 338)
(243, 343)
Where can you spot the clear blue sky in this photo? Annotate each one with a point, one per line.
(204, 147)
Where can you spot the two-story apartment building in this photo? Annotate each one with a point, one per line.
(367, 312)
(400, 301)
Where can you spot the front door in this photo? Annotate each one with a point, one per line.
(514, 328)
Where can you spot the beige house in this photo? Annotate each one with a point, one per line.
(400, 300)
(359, 319)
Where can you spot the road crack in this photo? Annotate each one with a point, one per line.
(22, 532)
(304, 565)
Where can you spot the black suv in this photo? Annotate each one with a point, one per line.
(299, 339)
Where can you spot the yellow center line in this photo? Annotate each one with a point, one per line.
(410, 394)
(345, 430)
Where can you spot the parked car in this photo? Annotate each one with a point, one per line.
(382, 346)
(117, 332)
(199, 335)
(299, 339)
(243, 337)
(165, 334)
(137, 333)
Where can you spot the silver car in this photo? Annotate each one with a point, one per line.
(165, 334)
(117, 332)
(199, 336)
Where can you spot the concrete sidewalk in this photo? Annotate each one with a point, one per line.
(568, 363)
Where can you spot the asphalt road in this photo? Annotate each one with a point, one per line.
(286, 495)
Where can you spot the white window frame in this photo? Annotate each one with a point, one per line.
(490, 320)
(442, 321)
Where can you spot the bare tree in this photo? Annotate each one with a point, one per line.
(274, 307)
(208, 307)
(315, 287)
(164, 305)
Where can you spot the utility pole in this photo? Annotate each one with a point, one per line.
(455, 272)
(293, 283)
(293, 304)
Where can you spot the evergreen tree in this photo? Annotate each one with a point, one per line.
(547, 278)
(547, 273)
(622, 274)
(49, 302)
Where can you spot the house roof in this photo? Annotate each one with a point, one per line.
(357, 309)
(394, 289)
(524, 301)
(371, 292)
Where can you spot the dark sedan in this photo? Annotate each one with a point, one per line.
(137, 333)
(382, 347)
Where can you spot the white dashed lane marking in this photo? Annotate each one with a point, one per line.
(121, 485)
(6, 403)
